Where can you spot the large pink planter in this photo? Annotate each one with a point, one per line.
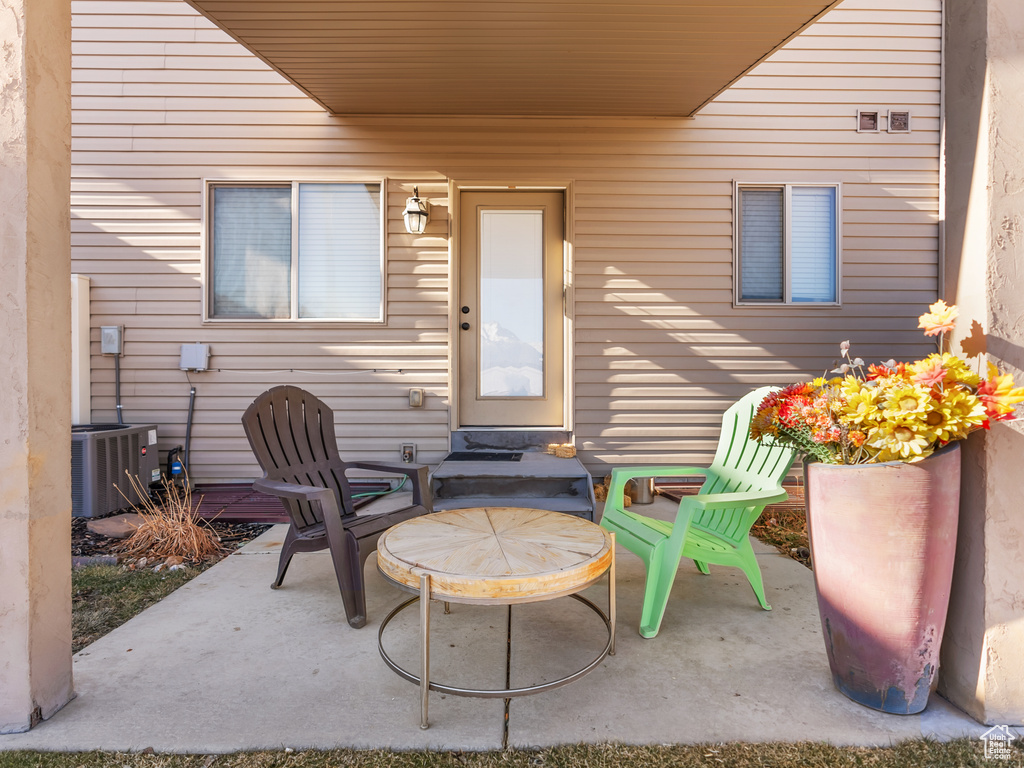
(883, 538)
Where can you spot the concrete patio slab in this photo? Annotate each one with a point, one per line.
(226, 664)
(721, 669)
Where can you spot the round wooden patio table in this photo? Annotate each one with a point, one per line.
(494, 556)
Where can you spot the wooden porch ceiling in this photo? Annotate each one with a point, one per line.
(512, 57)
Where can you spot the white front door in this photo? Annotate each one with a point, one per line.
(510, 310)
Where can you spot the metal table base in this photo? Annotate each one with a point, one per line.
(427, 685)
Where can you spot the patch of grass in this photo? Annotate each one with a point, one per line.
(105, 596)
(962, 753)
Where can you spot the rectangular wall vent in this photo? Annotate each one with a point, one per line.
(867, 122)
(898, 122)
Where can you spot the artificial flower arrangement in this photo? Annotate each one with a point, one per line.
(889, 411)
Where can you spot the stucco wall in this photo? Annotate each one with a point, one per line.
(983, 651)
(35, 475)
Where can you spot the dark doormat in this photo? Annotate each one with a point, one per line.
(483, 456)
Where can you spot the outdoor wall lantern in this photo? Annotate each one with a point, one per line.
(416, 213)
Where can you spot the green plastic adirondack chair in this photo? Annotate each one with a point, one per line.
(711, 527)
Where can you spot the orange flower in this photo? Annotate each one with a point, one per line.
(763, 423)
(939, 319)
(891, 369)
(998, 395)
(929, 372)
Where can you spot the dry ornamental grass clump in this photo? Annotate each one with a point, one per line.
(171, 529)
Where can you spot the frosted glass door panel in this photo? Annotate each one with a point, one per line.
(511, 304)
(510, 313)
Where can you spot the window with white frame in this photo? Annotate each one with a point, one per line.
(787, 243)
(295, 251)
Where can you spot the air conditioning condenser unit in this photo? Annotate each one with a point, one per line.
(101, 454)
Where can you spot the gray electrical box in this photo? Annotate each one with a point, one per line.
(112, 339)
(195, 357)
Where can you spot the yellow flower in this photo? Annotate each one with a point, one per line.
(907, 401)
(896, 441)
(955, 414)
(863, 403)
(957, 370)
(939, 319)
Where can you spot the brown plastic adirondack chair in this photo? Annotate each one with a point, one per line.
(292, 434)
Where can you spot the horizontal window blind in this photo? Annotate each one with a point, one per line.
(761, 244)
(813, 244)
(339, 251)
(251, 247)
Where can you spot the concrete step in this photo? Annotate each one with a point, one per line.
(506, 439)
(484, 483)
(536, 481)
(580, 507)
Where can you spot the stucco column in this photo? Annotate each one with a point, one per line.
(982, 668)
(35, 375)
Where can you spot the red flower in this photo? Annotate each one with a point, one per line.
(883, 371)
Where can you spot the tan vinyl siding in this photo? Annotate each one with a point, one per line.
(163, 101)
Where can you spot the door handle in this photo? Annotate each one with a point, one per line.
(464, 326)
